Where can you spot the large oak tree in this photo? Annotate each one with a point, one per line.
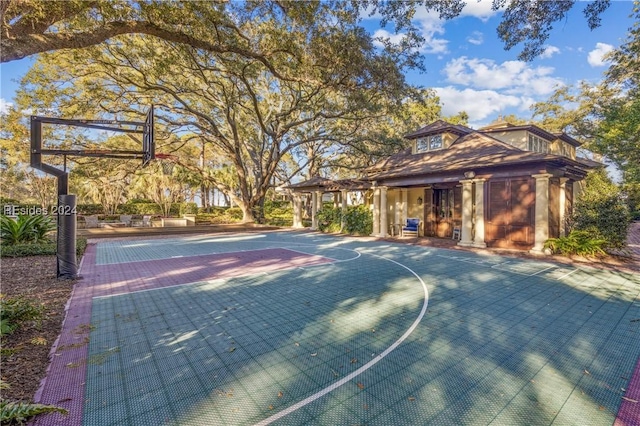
(36, 26)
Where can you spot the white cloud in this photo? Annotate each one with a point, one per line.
(430, 26)
(513, 77)
(549, 51)
(4, 106)
(596, 56)
(479, 9)
(476, 38)
(382, 33)
(479, 104)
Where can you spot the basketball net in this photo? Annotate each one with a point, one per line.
(167, 163)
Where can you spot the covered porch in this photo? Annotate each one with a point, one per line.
(313, 192)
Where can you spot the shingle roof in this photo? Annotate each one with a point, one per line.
(473, 151)
(439, 126)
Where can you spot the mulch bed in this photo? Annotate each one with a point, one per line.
(25, 353)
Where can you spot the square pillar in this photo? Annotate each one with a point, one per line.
(376, 211)
(297, 210)
(562, 208)
(541, 212)
(384, 223)
(319, 195)
(478, 240)
(314, 211)
(343, 209)
(467, 213)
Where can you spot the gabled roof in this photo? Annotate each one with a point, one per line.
(439, 126)
(472, 151)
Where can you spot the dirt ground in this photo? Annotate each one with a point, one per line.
(25, 353)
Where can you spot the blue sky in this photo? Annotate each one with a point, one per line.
(468, 66)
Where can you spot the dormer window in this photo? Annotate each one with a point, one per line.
(428, 143)
(537, 144)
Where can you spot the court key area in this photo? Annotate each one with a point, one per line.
(297, 328)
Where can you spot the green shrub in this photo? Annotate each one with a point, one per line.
(31, 249)
(41, 248)
(16, 310)
(220, 215)
(25, 229)
(278, 213)
(329, 219)
(81, 246)
(601, 211)
(188, 208)
(582, 243)
(358, 220)
(89, 209)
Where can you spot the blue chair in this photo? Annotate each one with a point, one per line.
(411, 228)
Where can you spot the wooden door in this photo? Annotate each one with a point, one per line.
(429, 213)
(510, 213)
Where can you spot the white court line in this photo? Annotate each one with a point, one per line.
(504, 266)
(362, 369)
(567, 274)
(327, 257)
(545, 269)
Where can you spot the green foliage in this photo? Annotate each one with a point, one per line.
(25, 229)
(577, 242)
(278, 213)
(329, 219)
(89, 209)
(601, 211)
(41, 248)
(632, 193)
(16, 310)
(81, 246)
(220, 216)
(32, 249)
(358, 220)
(20, 412)
(188, 208)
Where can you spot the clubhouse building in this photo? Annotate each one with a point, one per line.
(507, 186)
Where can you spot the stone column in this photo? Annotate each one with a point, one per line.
(319, 200)
(405, 207)
(467, 212)
(297, 210)
(343, 208)
(384, 223)
(478, 240)
(376, 211)
(397, 212)
(314, 211)
(562, 208)
(541, 212)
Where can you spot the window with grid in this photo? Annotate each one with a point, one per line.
(537, 144)
(429, 143)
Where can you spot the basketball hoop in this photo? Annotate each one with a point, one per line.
(167, 162)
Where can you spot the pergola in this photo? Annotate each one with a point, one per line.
(317, 186)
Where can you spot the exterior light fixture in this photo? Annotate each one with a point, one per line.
(419, 201)
(470, 174)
